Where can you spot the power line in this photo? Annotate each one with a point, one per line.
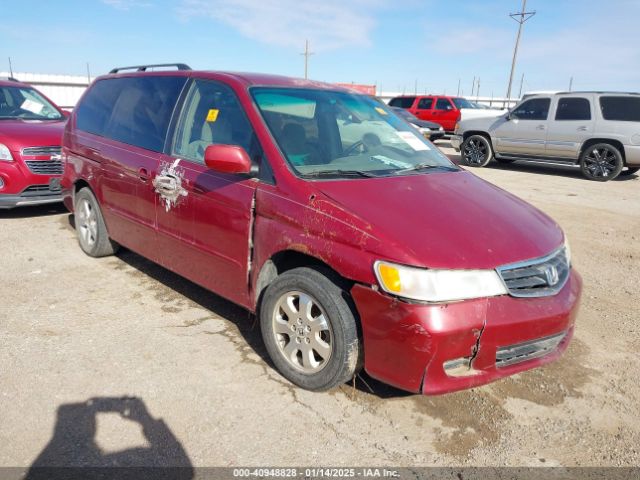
(521, 18)
(306, 54)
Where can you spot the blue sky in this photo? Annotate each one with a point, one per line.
(390, 43)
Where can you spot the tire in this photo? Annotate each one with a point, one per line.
(90, 228)
(601, 162)
(476, 151)
(504, 160)
(629, 171)
(331, 346)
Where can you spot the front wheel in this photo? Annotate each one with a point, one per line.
(601, 162)
(476, 151)
(309, 329)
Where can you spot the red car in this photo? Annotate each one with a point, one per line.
(355, 241)
(31, 129)
(440, 109)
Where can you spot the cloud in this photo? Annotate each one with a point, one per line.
(328, 24)
(126, 4)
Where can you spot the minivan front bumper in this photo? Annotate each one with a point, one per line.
(408, 345)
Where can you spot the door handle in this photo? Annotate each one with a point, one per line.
(165, 185)
(582, 129)
(143, 174)
(540, 127)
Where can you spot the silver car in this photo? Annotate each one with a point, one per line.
(600, 131)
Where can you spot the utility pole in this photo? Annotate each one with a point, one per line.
(521, 18)
(458, 88)
(88, 74)
(478, 89)
(473, 85)
(521, 82)
(570, 83)
(415, 87)
(10, 68)
(306, 54)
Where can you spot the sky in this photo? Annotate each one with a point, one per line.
(398, 45)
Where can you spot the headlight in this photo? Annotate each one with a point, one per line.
(437, 285)
(5, 154)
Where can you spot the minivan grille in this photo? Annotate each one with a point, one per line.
(522, 352)
(38, 151)
(537, 278)
(45, 167)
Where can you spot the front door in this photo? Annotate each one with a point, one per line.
(205, 217)
(445, 114)
(424, 108)
(525, 132)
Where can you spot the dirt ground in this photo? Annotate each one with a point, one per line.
(78, 334)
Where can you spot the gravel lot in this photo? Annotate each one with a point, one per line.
(77, 334)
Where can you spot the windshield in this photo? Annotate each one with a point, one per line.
(463, 103)
(26, 103)
(336, 134)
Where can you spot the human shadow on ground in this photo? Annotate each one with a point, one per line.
(73, 451)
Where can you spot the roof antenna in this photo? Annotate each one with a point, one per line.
(10, 68)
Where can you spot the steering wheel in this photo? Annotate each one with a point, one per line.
(353, 148)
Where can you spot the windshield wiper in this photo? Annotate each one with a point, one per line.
(420, 166)
(338, 172)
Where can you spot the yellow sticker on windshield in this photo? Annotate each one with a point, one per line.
(212, 116)
(381, 111)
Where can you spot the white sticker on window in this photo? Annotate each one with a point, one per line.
(31, 106)
(413, 141)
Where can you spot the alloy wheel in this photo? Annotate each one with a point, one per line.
(302, 332)
(601, 162)
(87, 223)
(476, 151)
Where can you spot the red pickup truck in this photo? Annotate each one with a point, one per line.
(440, 109)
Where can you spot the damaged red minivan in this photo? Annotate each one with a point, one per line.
(356, 242)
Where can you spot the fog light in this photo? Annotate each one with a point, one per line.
(460, 367)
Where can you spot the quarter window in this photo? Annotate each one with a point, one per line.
(625, 109)
(211, 115)
(443, 104)
(573, 109)
(534, 109)
(132, 110)
(402, 102)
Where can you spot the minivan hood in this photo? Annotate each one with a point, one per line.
(446, 220)
(17, 134)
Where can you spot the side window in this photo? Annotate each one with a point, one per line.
(211, 115)
(534, 109)
(132, 110)
(443, 104)
(425, 103)
(572, 108)
(402, 102)
(625, 109)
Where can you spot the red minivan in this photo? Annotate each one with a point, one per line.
(440, 109)
(31, 129)
(355, 241)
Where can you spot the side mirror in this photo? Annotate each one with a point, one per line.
(66, 113)
(227, 159)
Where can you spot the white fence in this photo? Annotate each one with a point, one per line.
(64, 90)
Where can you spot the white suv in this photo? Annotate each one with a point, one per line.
(599, 131)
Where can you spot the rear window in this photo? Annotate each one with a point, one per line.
(133, 110)
(402, 102)
(573, 109)
(624, 109)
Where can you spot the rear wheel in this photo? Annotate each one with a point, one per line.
(601, 162)
(476, 151)
(309, 329)
(90, 227)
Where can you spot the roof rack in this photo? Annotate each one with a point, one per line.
(10, 79)
(143, 68)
